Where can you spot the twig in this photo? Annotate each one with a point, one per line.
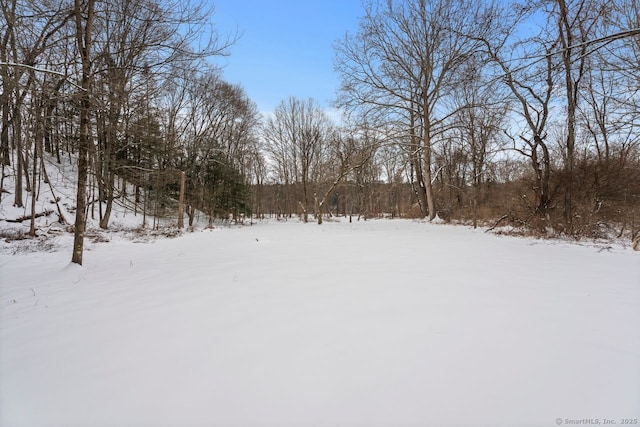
(502, 218)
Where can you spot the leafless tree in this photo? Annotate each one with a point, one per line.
(577, 23)
(298, 135)
(528, 68)
(217, 133)
(348, 154)
(401, 62)
(29, 30)
(482, 108)
(84, 16)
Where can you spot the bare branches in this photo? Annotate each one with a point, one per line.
(43, 70)
(401, 65)
(298, 137)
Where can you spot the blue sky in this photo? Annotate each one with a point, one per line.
(286, 46)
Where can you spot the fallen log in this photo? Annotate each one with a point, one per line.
(28, 217)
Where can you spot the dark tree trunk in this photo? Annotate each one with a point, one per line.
(83, 38)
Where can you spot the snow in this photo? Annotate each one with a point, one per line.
(370, 323)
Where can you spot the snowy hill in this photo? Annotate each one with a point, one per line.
(55, 214)
(370, 323)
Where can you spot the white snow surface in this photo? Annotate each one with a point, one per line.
(376, 323)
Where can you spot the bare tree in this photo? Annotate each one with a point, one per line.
(607, 137)
(527, 67)
(347, 154)
(84, 16)
(577, 22)
(217, 125)
(401, 64)
(481, 114)
(29, 31)
(133, 39)
(298, 135)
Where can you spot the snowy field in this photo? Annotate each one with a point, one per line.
(376, 323)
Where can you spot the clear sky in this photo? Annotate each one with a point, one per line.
(286, 46)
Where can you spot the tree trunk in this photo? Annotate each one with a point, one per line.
(426, 120)
(305, 200)
(4, 132)
(543, 175)
(428, 179)
(319, 206)
(181, 200)
(104, 219)
(416, 162)
(567, 40)
(83, 39)
(474, 206)
(7, 87)
(34, 172)
(20, 167)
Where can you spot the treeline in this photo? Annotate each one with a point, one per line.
(524, 114)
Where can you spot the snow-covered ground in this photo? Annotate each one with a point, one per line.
(376, 323)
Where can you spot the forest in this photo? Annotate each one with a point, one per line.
(524, 114)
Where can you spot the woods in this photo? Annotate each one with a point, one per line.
(524, 114)
(494, 104)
